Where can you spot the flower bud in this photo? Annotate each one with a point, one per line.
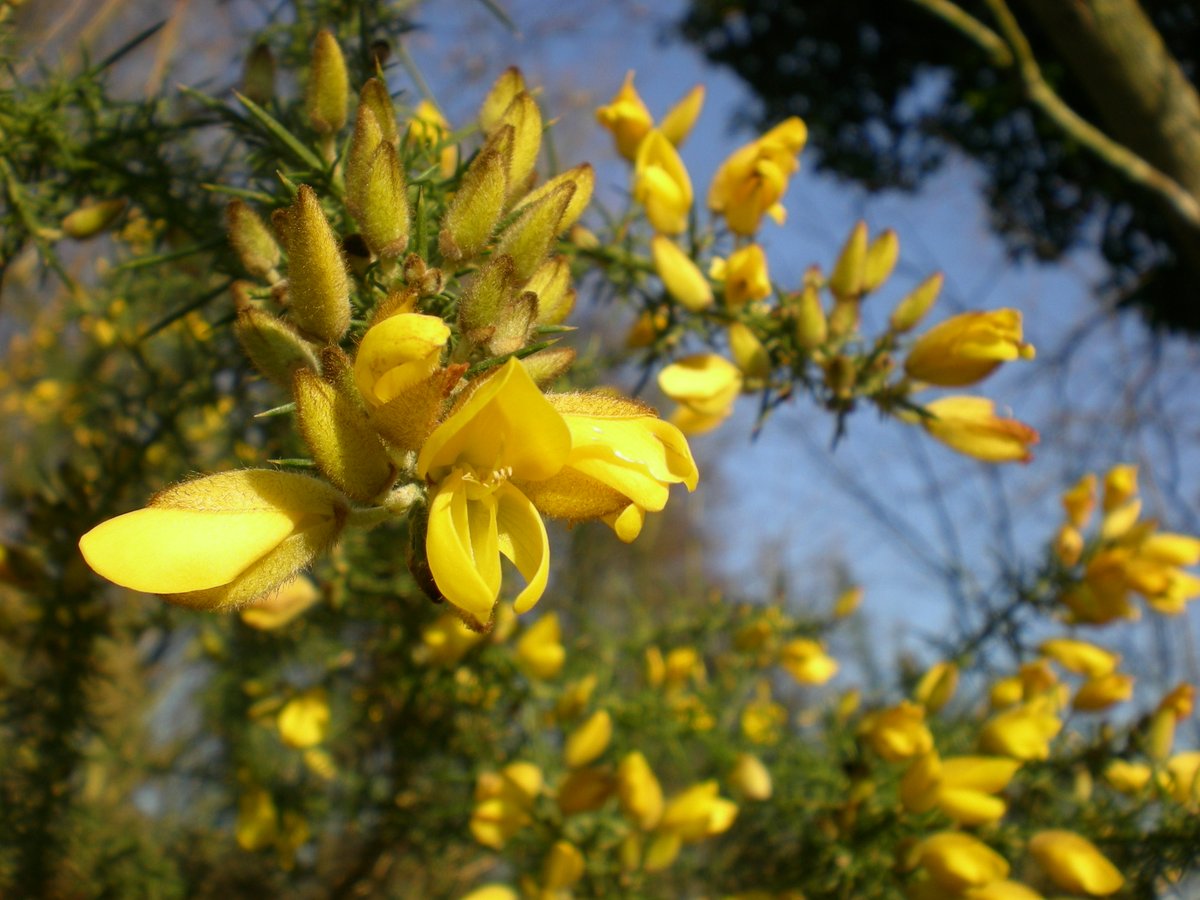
(680, 275)
(476, 208)
(504, 90)
(970, 426)
(539, 650)
(375, 97)
(812, 329)
(749, 353)
(275, 347)
(1102, 691)
(751, 778)
(562, 868)
(661, 184)
(589, 740)
(328, 90)
(383, 205)
(880, 260)
(529, 238)
(93, 218)
(555, 295)
(345, 447)
(583, 177)
(1074, 864)
(364, 141)
(526, 120)
(914, 306)
(304, 720)
(627, 118)
(254, 244)
(847, 280)
(639, 792)
(937, 686)
(318, 282)
(957, 862)
(677, 124)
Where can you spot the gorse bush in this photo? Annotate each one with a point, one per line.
(356, 324)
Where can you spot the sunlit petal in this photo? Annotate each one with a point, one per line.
(523, 540)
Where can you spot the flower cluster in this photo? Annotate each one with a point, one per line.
(435, 411)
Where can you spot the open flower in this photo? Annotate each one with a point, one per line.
(705, 385)
(627, 117)
(221, 541)
(623, 459)
(970, 425)
(398, 353)
(752, 181)
(967, 348)
(505, 431)
(662, 185)
(1074, 864)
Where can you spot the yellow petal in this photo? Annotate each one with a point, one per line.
(470, 583)
(507, 422)
(171, 551)
(523, 540)
(1074, 864)
(397, 353)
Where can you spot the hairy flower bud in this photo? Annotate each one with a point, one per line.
(328, 91)
(318, 282)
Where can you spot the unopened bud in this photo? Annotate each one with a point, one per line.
(844, 317)
(383, 204)
(93, 218)
(367, 136)
(841, 375)
(375, 97)
(529, 238)
(751, 778)
(252, 241)
(546, 366)
(583, 177)
(328, 85)
(526, 119)
(916, 304)
(258, 75)
(881, 260)
(275, 347)
(811, 328)
(513, 325)
(488, 292)
(345, 447)
(476, 208)
(552, 284)
(500, 97)
(846, 282)
(748, 352)
(318, 283)
(680, 275)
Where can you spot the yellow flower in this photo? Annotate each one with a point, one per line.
(398, 353)
(1079, 501)
(1074, 864)
(622, 461)
(446, 641)
(897, 733)
(967, 348)
(662, 185)
(589, 740)
(1102, 691)
(750, 778)
(276, 609)
(1127, 777)
(744, 275)
(562, 868)
(304, 720)
(957, 862)
(962, 787)
(697, 813)
(970, 425)
(506, 430)
(1023, 732)
(639, 792)
(257, 824)
(752, 181)
(627, 118)
(629, 121)
(429, 128)
(503, 803)
(706, 386)
(807, 661)
(937, 686)
(540, 652)
(680, 275)
(763, 718)
(1080, 657)
(1120, 486)
(221, 541)
(492, 892)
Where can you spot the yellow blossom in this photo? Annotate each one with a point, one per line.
(683, 666)
(750, 778)
(589, 740)
(970, 425)
(257, 824)
(967, 348)
(1080, 656)
(540, 652)
(1023, 732)
(1183, 778)
(937, 686)
(898, 732)
(1102, 691)
(505, 431)
(575, 697)
(706, 386)
(446, 641)
(503, 802)
(627, 117)
(662, 185)
(697, 813)
(752, 181)
(221, 541)
(276, 609)
(429, 128)
(639, 792)
(1127, 777)
(304, 720)
(1074, 864)
(763, 718)
(744, 275)
(1120, 486)
(957, 862)
(398, 353)
(1080, 500)
(562, 868)
(962, 787)
(622, 460)
(492, 892)
(680, 275)
(807, 661)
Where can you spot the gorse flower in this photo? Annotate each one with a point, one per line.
(662, 185)
(752, 181)
(970, 425)
(627, 117)
(967, 348)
